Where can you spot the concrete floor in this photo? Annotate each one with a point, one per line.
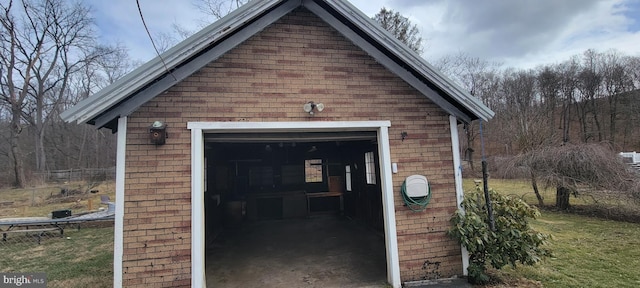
(323, 251)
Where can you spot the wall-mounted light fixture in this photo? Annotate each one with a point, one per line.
(158, 133)
(309, 107)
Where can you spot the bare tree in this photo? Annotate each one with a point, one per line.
(633, 65)
(568, 73)
(401, 27)
(165, 40)
(87, 148)
(70, 46)
(617, 80)
(549, 86)
(218, 8)
(531, 131)
(629, 112)
(536, 111)
(44, 43)
(213, 9)
(16, 74)
(568, 167)
(589, 80)
(481, 79)
(520, 96)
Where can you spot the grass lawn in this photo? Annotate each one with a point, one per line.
(517, 187)
(588, 252)
(82, 258)
(40, 201)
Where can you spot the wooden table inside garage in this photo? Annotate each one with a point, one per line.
(322, 195)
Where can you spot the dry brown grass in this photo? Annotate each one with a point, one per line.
(41, 200)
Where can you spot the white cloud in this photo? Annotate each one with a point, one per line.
(523, 33)
(119, 21)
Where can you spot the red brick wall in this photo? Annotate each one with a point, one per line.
(268, 78)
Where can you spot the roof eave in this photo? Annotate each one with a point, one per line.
(412, 59)
(460, 103)
(89, 108)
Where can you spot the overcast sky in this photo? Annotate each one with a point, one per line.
(517, 33)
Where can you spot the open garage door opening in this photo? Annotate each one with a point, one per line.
(293, 209)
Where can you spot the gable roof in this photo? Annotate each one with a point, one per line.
(128, 93)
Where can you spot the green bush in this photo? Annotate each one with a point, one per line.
(513, 240)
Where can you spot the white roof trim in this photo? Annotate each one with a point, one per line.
(411, 58)
(247, 127)
(124, 87)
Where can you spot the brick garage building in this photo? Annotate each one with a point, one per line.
(237, 89)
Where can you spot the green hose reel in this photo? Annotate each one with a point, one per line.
(416, 192)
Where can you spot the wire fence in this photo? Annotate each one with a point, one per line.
(68, 255)
(63, 232)
(7, 177)
(84, 174)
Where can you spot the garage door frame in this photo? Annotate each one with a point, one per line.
(199, 129)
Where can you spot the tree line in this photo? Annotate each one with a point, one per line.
(51, 58)
(592, 97)
(559, 124)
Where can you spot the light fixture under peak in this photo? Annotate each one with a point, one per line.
(310, 106)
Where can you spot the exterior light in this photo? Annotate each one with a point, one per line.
(158, 133)
(309, 107)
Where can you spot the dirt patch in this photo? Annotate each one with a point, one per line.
(66, 196)
(72, 196)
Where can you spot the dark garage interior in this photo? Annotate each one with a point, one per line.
(293, 210)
